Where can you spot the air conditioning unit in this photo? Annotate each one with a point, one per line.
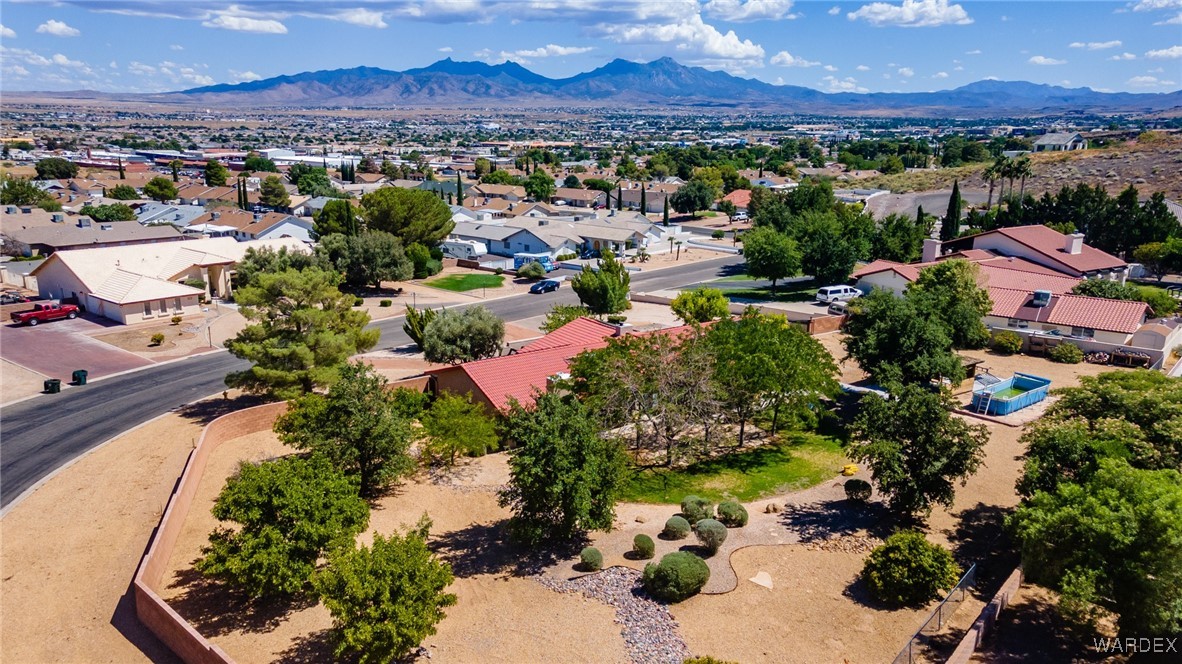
(1042, 298)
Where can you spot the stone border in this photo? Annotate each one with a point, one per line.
(986, 619)
(160, 619)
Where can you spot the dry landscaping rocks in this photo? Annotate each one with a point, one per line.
(860, 544)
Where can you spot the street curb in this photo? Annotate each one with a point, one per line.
(55, 472)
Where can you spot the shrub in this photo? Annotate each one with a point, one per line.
(616, 319)
(694, 508)
(591, 559)
(566, 257)
(718, 235)
(195, 283)
(679, 576)
(1066, 354)
(531, 270)
(643, 546)
(499, 270)
(732, 514)
(157, 338)
(676, 528)
(711, 534)
(909, 570)
(176, 320)
(386, 303)
(358, 301)
(858, 490)
(1006, 342)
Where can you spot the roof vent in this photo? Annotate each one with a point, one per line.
(1042, 298)
(104, 227)
(57, 217)
(83, 222)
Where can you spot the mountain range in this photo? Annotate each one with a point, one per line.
(660, 83)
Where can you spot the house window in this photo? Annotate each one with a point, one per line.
(147, 310)
(163, 306)
(506, 243)
(1083, 332)
(176, 305)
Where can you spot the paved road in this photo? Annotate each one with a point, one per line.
(42, 434)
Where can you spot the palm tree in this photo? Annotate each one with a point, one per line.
(993, 174)
(1022, 170)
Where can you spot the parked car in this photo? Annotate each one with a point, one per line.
(741, 215)
(41, 313)
(838, 309)
(830, 294)
(12, 298)
(590, 253)
(545, 286)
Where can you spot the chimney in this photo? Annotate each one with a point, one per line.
(1073, 244)
(257, 216)
(931, 250)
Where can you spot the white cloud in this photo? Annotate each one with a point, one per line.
(1096, 46)
(1177, 20)
(365, 18)
(697, 42)
(239, 23)
(113, 65)
(829, 68)
(243, 76)
(525, 55)
(445, 49)
(7, 33)
(786, 59)
(958, 68)
(1157, 70)
(141, 69)
(24, 56)
(1044, 60)
(190, 75)
(847, 84)
(15, 70)
(1148, 82)
(1150, 5)
(176, 47)
(940, 74)
(1123, 56)
(906, 72)
(975, 51)
(1065, 82)
(912, 14)
(862, 68)
(739, 11)
(62, 61)
(1171, 53)
(57, 29)
(834, 11)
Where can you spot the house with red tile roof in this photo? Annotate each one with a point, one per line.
(1047, 247)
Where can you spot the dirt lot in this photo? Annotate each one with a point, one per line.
(17, 382)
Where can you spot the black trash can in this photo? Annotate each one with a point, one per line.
(80, 376)
(53, 386)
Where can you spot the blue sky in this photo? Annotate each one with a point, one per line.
(900, 45)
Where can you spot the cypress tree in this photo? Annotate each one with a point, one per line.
(643, 200)
(620, 197)
(919, 218)
(459, 188)
(665, 214)
(122, 175)
(951, 226)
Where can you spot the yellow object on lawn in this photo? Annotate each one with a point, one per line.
(849, 469)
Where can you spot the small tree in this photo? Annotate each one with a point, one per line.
(572, 182)
(56, 168)
(895, 341)
(337, 216)
(123, 192)
(273, 194)
(288, 512)
(695, 195)
(175, 166)
(950, 226)
(915, 448)
(700, 305)
(949, 293)
(366, 259)
(561, 314)
(909, 570)
(770, 255)
(540, 185)
(532, 270)
(603, 291)
(456, 337)
(385, 599)
(357, 425)
(215, 173)
(564, 477)
(453, 426)
(160, 189)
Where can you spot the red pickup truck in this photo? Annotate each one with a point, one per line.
(45, 312)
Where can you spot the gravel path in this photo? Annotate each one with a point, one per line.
(649, 630)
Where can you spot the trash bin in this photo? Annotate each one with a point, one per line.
(53, 386)
(80, 377)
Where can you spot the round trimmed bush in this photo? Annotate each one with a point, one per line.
(531, 270)
(909, 570)
(676, 528)
(591, 559)
(1006, 342)
(711, 534)
(694, 509)
(718, 235)
(643, 546)
(858, 490)
(386, 303)
(732, 514)
(358, 301)
(679, 576)
(1067, 354)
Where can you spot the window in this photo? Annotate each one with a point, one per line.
(506, 243)
(176, 305)
(1082, 332)
(163, 306)
(147, 310)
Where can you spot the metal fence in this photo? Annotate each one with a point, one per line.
(939, 617)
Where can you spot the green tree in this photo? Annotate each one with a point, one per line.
(599, 184)
(948, 292)
(357, 425)
(411, 215)
(561, 314)
(483, 167)
(123, 192)
(572, 182)
(56, 168)
(385, 599)
(316, 183)
(454, 426)
(540, 185)
(109, 212)
(160, 189)
(256, 163)
(532, 271)
(1113, 542)
(272, 194)
(175, 166)
(262, 260)
(564, 476)
(950, 227)
(827, 249)
(700, 305)
(770, 255)
(915, 448)
(302, 328)
(894, 341)
(215, 173)
(1106, 288)
(367, 259)
(454, 337)
(337, 216)
(19, 191)
(603, 291)
(909, 570)
(287, 513)
(694, 196)
(898, 239)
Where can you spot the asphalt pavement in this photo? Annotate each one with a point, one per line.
(42, 434)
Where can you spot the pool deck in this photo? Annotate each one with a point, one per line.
(1017, 418)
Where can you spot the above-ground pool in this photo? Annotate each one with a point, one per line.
(1006, 396)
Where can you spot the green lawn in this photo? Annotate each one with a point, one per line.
(799, 461)
(466, 282)
(805, 291)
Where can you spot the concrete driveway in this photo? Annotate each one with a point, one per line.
(57, 348)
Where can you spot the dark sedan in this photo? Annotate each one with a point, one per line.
(545, 286)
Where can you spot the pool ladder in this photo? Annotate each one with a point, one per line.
(983, 404)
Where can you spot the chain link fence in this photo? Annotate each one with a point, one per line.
(913, 651)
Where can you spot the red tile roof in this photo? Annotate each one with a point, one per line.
(740, 197)
(579, 331)
(1099, 313)
(1049, 242)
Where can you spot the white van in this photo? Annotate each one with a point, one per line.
(830, 294)
(463, 249)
